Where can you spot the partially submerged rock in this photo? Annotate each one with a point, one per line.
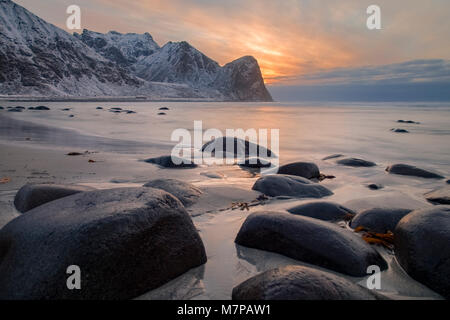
(355, 162)
(309, 240)
(33, 195)
(333, 156)
(236, 147)
(300, 283)
(172, 162)
(306, 170)
(375, 186)
(399, 130)
(323, 210)
(439, 196)
(254, 163)
(41, 108)
(408, 121)
(422, 247)
(125, 241)
(379, 220)
(408, 170)
(187, 193)
(293, 186)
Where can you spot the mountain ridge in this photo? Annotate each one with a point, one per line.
(40, 59)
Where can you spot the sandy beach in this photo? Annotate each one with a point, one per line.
(35, 145)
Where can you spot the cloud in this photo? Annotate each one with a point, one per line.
(415, 71)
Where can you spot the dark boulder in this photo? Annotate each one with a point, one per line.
(300, 283)
(333, 156)
(407, 170)
(306, 170)
(309, 240)
(41, 108)
(33, 195)
(187, 193)
(292, 186)
(355, 162)
(375, 186)
(168, 162)
(163, 108)
(323, 210)
(422, 247)
(379, 220)
(398, 130)
(439, 196)
(125, 241)
(236, 147)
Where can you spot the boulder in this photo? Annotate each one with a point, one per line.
(309, 240)
(187, 193)
(1, 108)
(375, 186)
(33, 195)
(422, 247)
(333, 156)
(125, 241)
(379, 220)
(300, 283)
(163, 108)
(398, 130)
(306, 170)
(323, 210)
(237, 147)
(439, 196)
(355, 162)
(293, 186)
(407, 170)
(167, 162)
(41, 108)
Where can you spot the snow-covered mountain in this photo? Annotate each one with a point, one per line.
(39, 59)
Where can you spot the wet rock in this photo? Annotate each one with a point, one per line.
(71, 116)
(375, 186)
(236, 147)
(168, 162)
(126, 242)
(66, 109)
(407, 170)
(408, 121)
(355, 162)
(380, 220)
(116, 109)
(439, 196)
(254, 163)
(187, 193)
(129, 111)
(448, 181)
(41, 108)
(323, 210)
(333, 156)
(99, 108)
(161, 114)
(293, 186)
(33, 195)
(1, 108)
(309, 240)
(422, 247)
(15, 110)
(398, 130)
(306, 170)
(163, 108)
(300, 283)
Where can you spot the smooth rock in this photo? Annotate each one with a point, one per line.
(398, 130)
(293, 186)
(161, 114)
(439, 196)
(309, 240)
(163, 108)
(15, 110)
(306, 170)
(167, 162)
(333, 156)
(99, 108)
(379, 220)
(322, 210)
(300, 283)
(375, 186)
(408, 121)
(355, 162)
(407, 170)
(41, 108)
(187, 193)
(33, 195)
(238, 147)
(422, 247)
(126, 242)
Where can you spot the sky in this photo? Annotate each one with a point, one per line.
(298, 43)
